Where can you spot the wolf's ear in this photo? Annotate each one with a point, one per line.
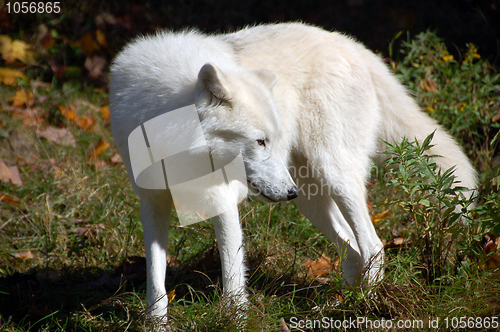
(267, 76)
(213, 80)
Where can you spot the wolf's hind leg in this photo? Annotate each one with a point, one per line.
(323, 212)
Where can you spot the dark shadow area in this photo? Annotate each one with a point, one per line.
(30, 297)
(373, 22)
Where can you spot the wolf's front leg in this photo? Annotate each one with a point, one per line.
(230, 240)
(155, 215)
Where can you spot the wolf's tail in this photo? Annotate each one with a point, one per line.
(402, 117)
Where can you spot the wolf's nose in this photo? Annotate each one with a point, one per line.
(292, 193)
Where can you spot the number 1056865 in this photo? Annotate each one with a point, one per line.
(26, 7)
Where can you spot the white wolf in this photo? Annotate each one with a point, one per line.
(289, 97)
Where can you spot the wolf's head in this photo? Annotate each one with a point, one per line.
(238, 114)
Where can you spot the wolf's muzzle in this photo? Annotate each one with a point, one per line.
(292, 193)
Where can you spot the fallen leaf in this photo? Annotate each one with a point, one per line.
(95, 65)
(491, 249)
(10, 174)
(87, 43)
(45, 38)
(22, 98)
(320, 267)
(39, 84)
(172, 261)
(105, 113)
(8, 76)
(398, 241)
(171, 295)
(429, 85)
(116, 159)
(5, 42)
(283, 327)
(495, 117)
(104, 18)
(86, 121)
(380, 216)
(23, 255)
(101, 38)
(31, 116)
(6, 198)
(88, 229)
(13, 50)
(99, 148)
(98, 164)
(58, 135)
(58, 70)
(68, 112)
(58, 172)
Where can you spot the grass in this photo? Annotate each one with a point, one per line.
(72, 256)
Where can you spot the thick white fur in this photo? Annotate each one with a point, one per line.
(332, 103)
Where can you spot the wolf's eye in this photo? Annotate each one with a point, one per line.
(261, 142)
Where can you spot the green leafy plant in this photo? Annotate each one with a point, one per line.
(437, 206)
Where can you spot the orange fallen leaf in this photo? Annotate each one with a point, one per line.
(8, 199)
(380, 216)
(68, 112)
(10, 174)
(8, 76)
(320, 267)
(86, 121)
(23, 255)
(105, 113)
(22, 98)
(58, 135)
(99, 148)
